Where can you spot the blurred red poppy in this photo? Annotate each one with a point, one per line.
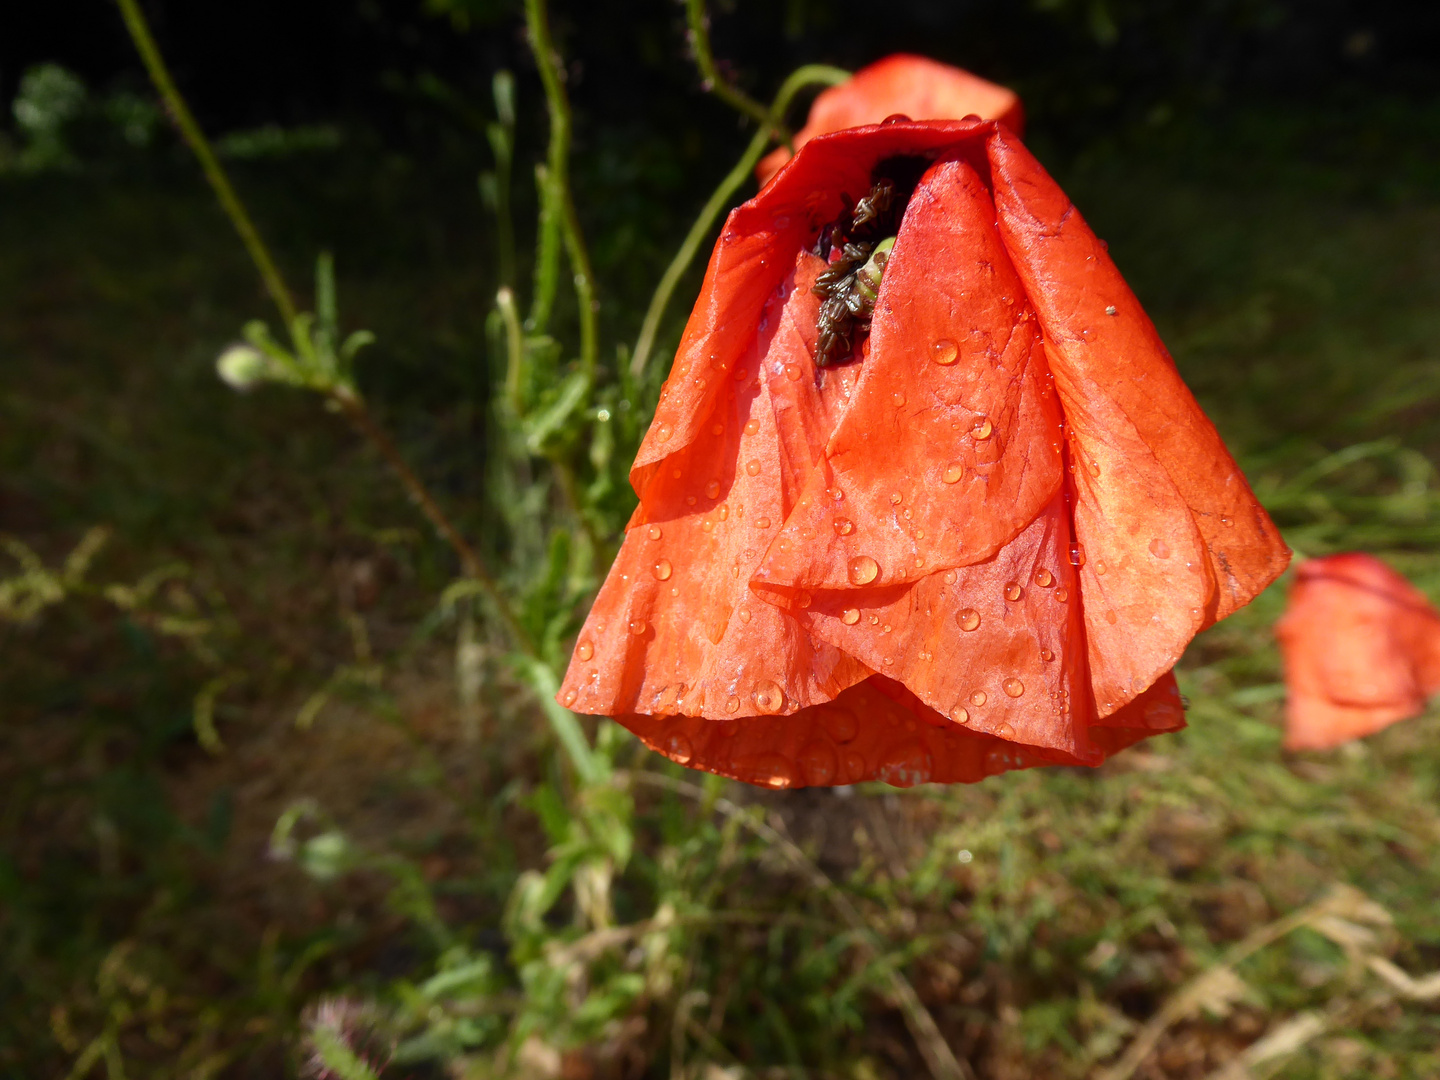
(1361, 647)
(910, 86)
(930, 516)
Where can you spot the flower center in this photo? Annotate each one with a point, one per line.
(857, 245)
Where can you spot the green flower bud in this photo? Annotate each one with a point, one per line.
(243, 367)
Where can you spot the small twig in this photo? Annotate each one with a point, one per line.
(719, 199)
(938, 1056)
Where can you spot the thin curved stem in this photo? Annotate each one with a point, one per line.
(697, 22)
(558, 207)
(190, 130)
(808, 75)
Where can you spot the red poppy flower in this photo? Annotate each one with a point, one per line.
(975, 538)
(1361, 647)
(902, 85)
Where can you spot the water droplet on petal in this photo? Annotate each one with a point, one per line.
(689, 500)
(950, 577)
(818, 764)
(752, 426)
(1094, 468)
(803, 600)
(960, 714)
(1159, 548)
(723, 511)
(732, 705)
(896, 118)
(1044, 578)
(569, 699)
(741, 374)
(1100, 568)
(844, 526)
(906, 766)
(1046, 655)
(772, 770)
(896, 498)
(707, 525)
(968, 618)
(662, 570)
(885, 629)
(874, 620)
(584, 651)
(850, 616)
(744, 614)
(1111, 617)
(1013, 591)
(792, 372)
(953, 472)
(638, 627)
(839, 723)
(712, 489)
(654, 532)
(752, 467)
(863, 570)
(768, 697)
(898, 397)
(718, 430)
(1227, 522)
(762, 522)
(978, 698)
(1005, 731)
(983, 429)
(855, 767)
(944, 351)
(679, 749)
(1077, 555)
(1014, 687)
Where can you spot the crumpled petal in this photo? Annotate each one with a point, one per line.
(1172, 537)
(1361, 648)
(912, 86)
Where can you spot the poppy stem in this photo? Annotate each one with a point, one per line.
(345, 397)
(697, 21)
(558, 219)
(809, 75)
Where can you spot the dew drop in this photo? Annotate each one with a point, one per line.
(968, 618)
(585, 650)
(569, 699)
(896, 498)
(856, 768)
(723, 511)
(839, 723)
(1013, 591)
(1227, 522)
(983, 429)
(885, 629)
(1005, 731)
(1062, 594)
(1111, 309)
(663, 433)
(863, 570)
(712, 489)
(960, 714)
(662, 570)
(762, 522)
(850, 616)
(741, 374)
(718, 430)
(732, 705)
(896, 118)
(638, 627)
(689, 500)
(752, 467)
(898, 397)
(676, 474)
(654, 532)
(919, 561)
(950, 577)
(953, 472)
(1094, 468)
(1159, 548)
(1111, 617)
(818, 764)
(844, 526)
(944, 351)
(1077, 555)
(792, 372)
(707, 525)
(1044, 578)
(678, 748)
(803, 600)
(1046, 655)
(744, 614)
(1014, 687)
(978, 698)
(768, 697)
(752, 426)
(874, 620)
(1100, 568)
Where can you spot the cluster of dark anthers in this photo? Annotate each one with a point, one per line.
(855, 246)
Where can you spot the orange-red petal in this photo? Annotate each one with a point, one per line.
(912, 86)
(1361, 648)
(1171, 535)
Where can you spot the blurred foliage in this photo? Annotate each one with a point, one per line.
(246, 828)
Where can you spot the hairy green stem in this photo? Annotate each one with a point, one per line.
(697, 22)
(558, 208)
(190, 130)
(809, 75)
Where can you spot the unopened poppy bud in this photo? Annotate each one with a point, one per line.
(243, 367)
